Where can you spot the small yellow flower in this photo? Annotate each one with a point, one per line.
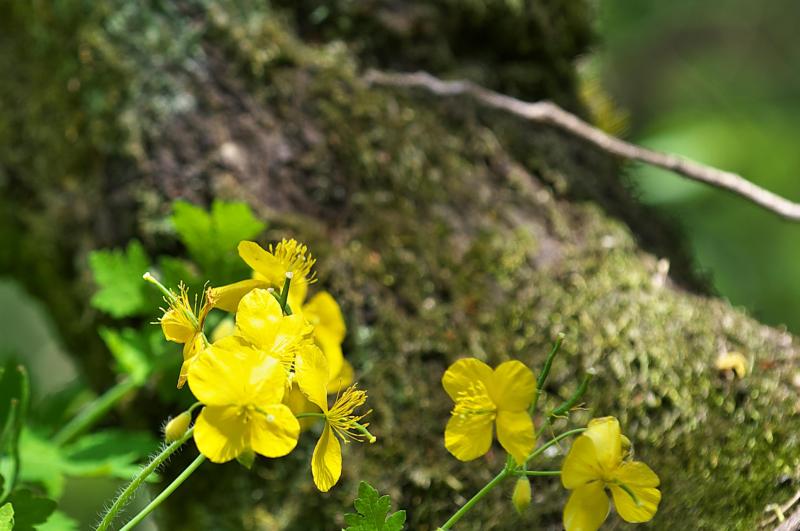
(181, 323)
(341, 422)
(242, 391)
(483, 396)
(596, 462)
(176, 428)
(269, 270)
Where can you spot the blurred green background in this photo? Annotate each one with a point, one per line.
(718, 82)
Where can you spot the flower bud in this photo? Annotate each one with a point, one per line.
(176, 428)
(521, 497)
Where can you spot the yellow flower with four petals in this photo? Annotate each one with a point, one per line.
(182, 324)
(483, 398)
(341, 422)
(596, 462)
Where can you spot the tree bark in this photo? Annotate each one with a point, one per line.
(443, 229)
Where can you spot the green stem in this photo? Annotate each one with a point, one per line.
(154, 463)
(554, 440)
(577, 395)
(307, 415)
(94, 411)
(475, 499)
(285, 294)
(164, 494)
(546, 371)
(536, 473)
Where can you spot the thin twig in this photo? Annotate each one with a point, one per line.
(545, 112)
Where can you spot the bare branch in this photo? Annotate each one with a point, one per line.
(545, 112)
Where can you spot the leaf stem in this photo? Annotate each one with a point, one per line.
(554, 440)
(148, 469)
(94, 411)
(165, 493)
(537, 473)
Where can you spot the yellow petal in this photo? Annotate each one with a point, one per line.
(515, 433)
(274, 433)
(513, 386)
(225, 328)
(227, 297)
(326, 463)
(298, 290)
(220, 434)
(463, 374)
(176, 327)
(263, 263)
(604, 433)
(191, 349)
(333, 352)
(266, 382)
(324, 313)
(580, 466)
(468, 438)
(258, 317)
(298, 403)
(642, 481)
(231, 371)
(587, 508)
(215, 377)
(345, 377)
(311, 375)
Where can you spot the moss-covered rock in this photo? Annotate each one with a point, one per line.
(444, 231)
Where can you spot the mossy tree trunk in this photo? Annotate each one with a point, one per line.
(443, 230)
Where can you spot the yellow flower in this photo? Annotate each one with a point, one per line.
(597, 462)
(242, 391)
(260, 322)
(323, 313)
(340, 420)
(269, 270)
(483, 396)
(182, 324)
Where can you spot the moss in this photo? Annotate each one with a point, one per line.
(444, 232)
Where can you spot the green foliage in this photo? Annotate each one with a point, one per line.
(137, 352)
(14, 397)
(373, 512)
(58, 521)
(30, 509)
(118, 274)
(108, 453)
(6, 517)
(211, 237)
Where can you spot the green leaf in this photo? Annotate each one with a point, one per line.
(118, 274)
(58, 521)
(130, 349)
(212, 237)
(14, 396)
(373, 512)
(6, 517)
(30, 509)
(109, 453)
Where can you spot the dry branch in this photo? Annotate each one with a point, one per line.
(545, 112)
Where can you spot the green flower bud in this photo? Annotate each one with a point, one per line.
(176, 428)
(521, 497)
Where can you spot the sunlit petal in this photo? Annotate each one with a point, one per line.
(326, 463)
(220, 434)
(274, 430)
(512, 386)
(468, 438)
(311, 374)
(605, 434)
(587, 508)
(463, 374)
(581, 465)
(227, 297)
(515, 433)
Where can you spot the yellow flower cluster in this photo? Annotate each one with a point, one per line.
(274, 369)
(599, 460)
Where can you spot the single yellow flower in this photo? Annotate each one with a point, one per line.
(242, 390)
(181, 323)
(269, 270)
(596, 462)
(312, 375)
(483, 396)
